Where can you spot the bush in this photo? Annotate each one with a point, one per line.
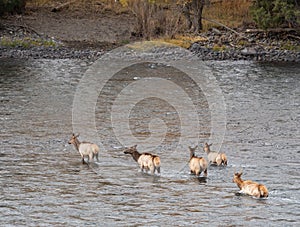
(12, 6)
(154, 19)
(275, 13)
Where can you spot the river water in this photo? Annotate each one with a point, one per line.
(43, 181)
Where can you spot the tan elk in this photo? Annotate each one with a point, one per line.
(215, 157)
(146, 161)
(197, 164)
(88, 149)
(249, 187)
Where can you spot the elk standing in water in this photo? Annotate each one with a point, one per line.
(197, 164)
(90, 150)
(249, 187)
(215, 157)
(146, 161)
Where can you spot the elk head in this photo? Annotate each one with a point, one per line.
(130, 150)
(206, 147)
(73, 138)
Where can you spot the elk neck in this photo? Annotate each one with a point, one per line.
(135, 154)
(76, 144)
(192, 154)
(239, 182)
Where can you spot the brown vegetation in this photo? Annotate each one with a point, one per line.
(105, 24)
(148, 20)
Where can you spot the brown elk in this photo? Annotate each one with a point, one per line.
(215, 157)
(249, 187)
(197, 164)
(88, 149)
(146, 161)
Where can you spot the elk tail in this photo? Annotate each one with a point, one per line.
(156, 161)
(263, 191)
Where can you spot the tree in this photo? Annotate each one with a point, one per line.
(194, 8)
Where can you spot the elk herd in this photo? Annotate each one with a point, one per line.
(151, 162)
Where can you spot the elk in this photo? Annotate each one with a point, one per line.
(215, 157)
(146, 161)
(249, 187)
(88, 149)
(197, 164)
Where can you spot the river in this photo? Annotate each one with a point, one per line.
(44, 183)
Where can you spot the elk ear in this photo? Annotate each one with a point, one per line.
(210, 144)
(196, 146)
(135, 146)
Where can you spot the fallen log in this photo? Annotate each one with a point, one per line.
(273, 30)
(62, 6)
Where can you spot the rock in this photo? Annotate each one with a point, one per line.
(249, 51)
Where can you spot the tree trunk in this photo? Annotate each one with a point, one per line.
(197, 6)
(187, 14)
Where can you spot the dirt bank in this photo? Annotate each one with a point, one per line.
(73, 28)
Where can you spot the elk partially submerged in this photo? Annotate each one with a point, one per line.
(215, 157)
(146, 161)
(86, 149)
(197, 164)
(249, 187)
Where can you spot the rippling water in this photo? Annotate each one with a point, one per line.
(44, 183)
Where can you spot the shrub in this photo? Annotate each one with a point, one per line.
(275, 13)
(12, 6)
(154, 19)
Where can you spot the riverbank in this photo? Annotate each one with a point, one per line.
(249, 44)
(63, 35)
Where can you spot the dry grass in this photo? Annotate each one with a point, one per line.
(232, 13)
(162, 19)
(184, 41)
(84, 6)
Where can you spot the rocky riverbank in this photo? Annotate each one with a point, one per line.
(18, 41)
(39, 52)
(254, 44)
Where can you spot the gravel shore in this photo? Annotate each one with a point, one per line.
(277, 46)
(49, 53)
(216, 45)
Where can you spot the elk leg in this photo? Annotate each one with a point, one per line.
(158, 169)
(205, 173)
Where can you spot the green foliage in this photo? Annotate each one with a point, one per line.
(12, 6)
(275, 13)
(219, 48)
(290, 46)
(26, 42)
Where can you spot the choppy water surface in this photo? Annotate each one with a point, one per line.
(44, 183)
